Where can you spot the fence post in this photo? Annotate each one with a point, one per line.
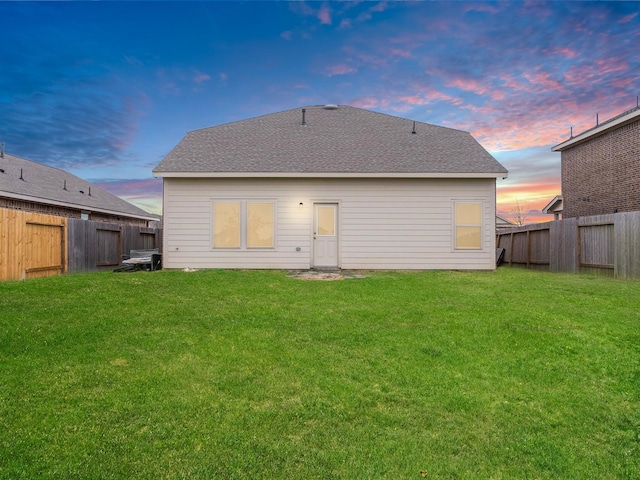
(511, 250)
(579, 245)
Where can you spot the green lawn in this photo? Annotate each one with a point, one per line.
(228, 374)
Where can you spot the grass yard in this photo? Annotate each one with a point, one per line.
(227, 374)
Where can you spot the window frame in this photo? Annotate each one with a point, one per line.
(244, 226)
(457, 225)
(213, 225)
(273, 225)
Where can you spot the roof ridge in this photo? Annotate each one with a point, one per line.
(324, 106)
(612, 119)
(405, 118)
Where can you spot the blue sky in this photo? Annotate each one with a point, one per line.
(106, 89)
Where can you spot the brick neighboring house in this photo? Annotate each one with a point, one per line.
(32, 187)
(601, 168)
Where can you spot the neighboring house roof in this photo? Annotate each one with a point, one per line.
(334, 141)
(46, 185)
(615, 122)
(503, 222)
(555, 206)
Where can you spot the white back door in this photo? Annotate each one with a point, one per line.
(325, 235)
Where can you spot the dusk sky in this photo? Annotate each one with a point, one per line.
(106, 89)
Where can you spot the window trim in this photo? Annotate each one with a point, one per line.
(243, 223)
(273, 224)
(455, 224)
(213, 225)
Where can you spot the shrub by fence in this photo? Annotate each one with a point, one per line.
(37, 245)
(601, 244)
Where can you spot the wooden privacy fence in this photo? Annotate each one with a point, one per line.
(37, 245)
(601, 244)
(95, 246)
(31, 245)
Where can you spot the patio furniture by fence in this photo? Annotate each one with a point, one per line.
(148, 260)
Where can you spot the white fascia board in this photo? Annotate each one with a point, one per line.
(554, 205)
(84, 208)
(596, 131)
(325, 175)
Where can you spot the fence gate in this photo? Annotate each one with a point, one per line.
(107, 241)
(44, 249)
(31, 245)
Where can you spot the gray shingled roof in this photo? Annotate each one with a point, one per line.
(44, 184)
(334, 140)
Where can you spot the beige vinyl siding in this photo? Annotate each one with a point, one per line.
(382, 223)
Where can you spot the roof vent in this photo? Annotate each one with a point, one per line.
(331, 106)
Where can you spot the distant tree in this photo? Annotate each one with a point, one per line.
(519, 214)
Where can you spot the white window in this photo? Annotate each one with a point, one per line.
(260, 225)
(226, 225)
(243, 224)
(468, 226)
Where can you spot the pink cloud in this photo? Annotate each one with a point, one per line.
(380, 7)
(324, 15)
(588, 74)
(498, 94)
(543, 79)
(467, 85)
(367, 59)
(368, 102)
(339, 69)
(398, 52)
(628, 18)
(610, 65)
(509, 82)
(480, 7)
(201, 77)
(623, 82)
(414, 100)
(428, 97)
(565, 52)
(579, 74)
(368, 15)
